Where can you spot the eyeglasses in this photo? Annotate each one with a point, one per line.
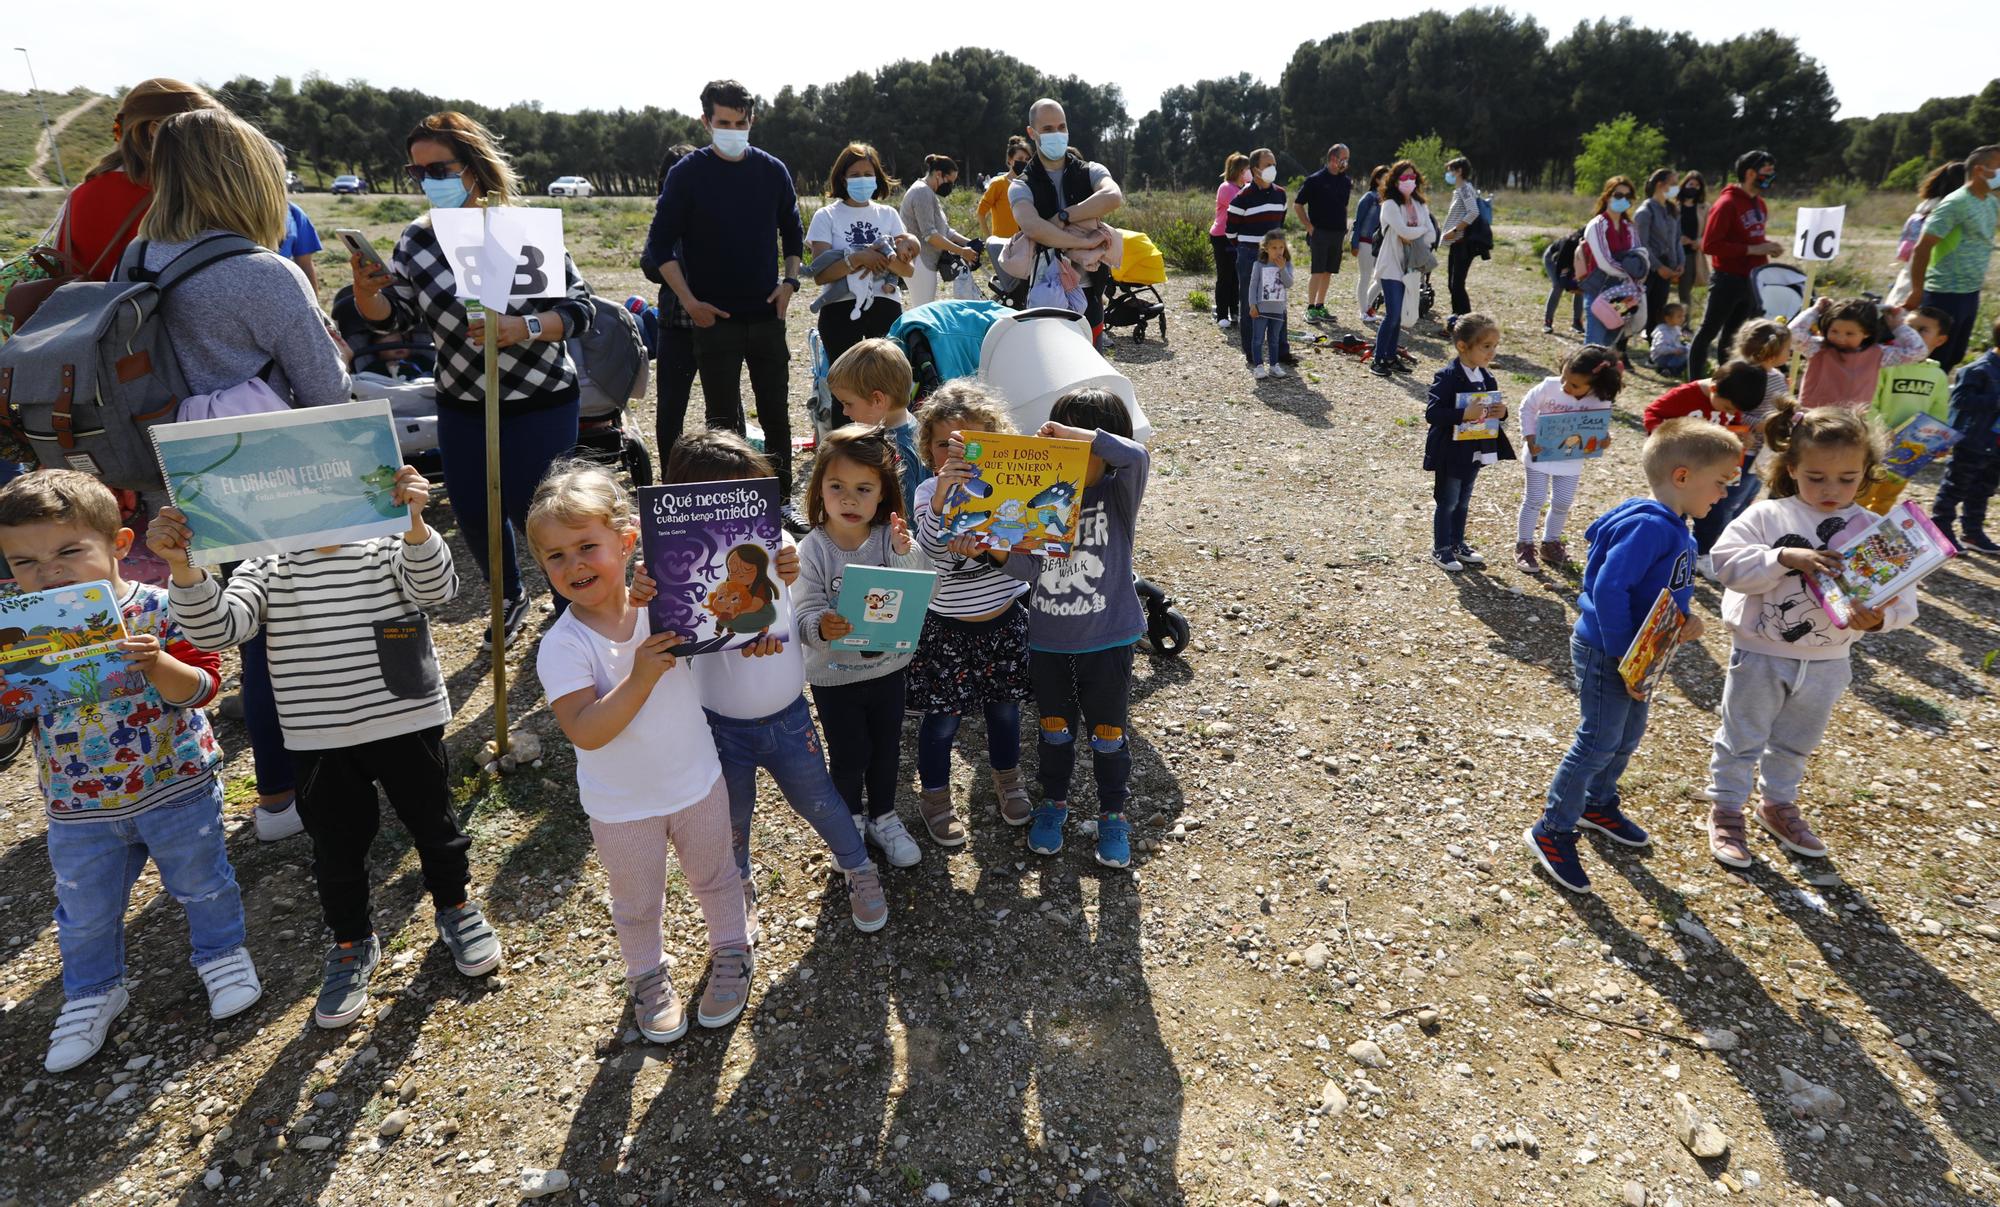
(1621, 196)
(444, 169)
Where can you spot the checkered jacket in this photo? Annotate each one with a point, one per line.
(423, 289)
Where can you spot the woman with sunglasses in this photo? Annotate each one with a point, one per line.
(458, 162)
(1607, 238)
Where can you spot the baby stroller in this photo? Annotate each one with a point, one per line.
(1033, 357)
(1781, 288)
(942, 341)
(1133, 299)
(396, 365)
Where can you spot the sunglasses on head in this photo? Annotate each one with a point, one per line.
(444, 169)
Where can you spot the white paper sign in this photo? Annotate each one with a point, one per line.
(1818, 236)
(517, 255)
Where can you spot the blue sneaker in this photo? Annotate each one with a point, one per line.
(1114, 841)
(1045, 836)
(1557, 855)
(1613, 824)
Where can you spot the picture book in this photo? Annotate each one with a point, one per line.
(711, 547)
(885, 605)
(1478, 429)
(1570, 435)
(282, 481)
(1652, 650)
(1912, 447)
(1024, 495)
(59, 648)
(1883, 556)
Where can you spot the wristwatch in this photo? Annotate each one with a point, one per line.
(1062, 216)
(534, 322)
(793, 282)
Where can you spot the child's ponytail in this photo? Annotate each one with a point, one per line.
(1790, 431)
(1600, 364)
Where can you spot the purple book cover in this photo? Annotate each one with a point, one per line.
(712, 548)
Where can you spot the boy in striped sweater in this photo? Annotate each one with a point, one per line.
(362, 704)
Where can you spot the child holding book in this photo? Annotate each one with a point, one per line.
(1669, 348)
(1847, 344)
(1973, 472)
(1902, 393)
(1463, 395)
(1083, 620)
(872, 382)
(1789, 662)
(127, 778)
(973, 654)
(362, 706)
(757, 710)
(1637, 549)
(1730, 398)
(646, 769)
(1590, 380)
(854, 505)
(1270, 292)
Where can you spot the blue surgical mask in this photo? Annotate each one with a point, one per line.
(1451, 177)
(1620, 204)
(1764, 181)
(1054, 145)
(731, 144)
(1673, 191)
(446, 194)
(860, 188)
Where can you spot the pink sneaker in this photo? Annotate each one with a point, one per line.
(1782, 819)
(1725, 838)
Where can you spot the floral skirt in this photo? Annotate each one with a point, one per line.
(963, 665)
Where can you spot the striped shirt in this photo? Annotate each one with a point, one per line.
(967, 587)
(350, 652)
(1256, 212)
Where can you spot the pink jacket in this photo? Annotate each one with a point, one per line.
(1017, 258)
(1224, 194)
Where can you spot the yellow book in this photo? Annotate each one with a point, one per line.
(1024, 496)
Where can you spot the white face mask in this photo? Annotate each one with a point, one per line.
(1269, 174)
(1673, 191)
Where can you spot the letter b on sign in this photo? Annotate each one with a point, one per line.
(1818, 236)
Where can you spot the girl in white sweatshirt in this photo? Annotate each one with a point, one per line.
(1789, 661)
(1590, 380)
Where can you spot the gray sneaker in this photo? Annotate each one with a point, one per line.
(344, 994)
(728, 988)
(474, 946)
(866, 900)
(656, 1006)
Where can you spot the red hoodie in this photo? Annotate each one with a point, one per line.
(1735, 221)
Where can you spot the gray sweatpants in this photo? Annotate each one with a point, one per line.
(1774, 711)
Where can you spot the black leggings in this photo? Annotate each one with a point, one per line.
(1658, 290)
(1225, 276)
(864, 740)
(1070, 690)
(1458, 263)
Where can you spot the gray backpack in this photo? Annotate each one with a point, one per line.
(611, 365)
(83, 380)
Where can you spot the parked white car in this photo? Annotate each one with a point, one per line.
(569, 186)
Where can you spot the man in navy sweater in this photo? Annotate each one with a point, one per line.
(713, 238)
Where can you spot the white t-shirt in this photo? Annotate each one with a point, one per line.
(748, 688)
(845, 227)
(665, 760)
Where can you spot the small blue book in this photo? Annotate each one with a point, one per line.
(1570, 435)
(1912, 447)
(59, 648)
(885, 605)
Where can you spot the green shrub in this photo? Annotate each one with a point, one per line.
(1185, 246)
(1198, 300)
(1843, 191)
(392, 210)
(1620, 147)
(1907, 175)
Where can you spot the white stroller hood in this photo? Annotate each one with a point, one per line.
(1033, 357)
(1781, 288)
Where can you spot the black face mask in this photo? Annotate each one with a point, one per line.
(944, 189)
(1017, 169)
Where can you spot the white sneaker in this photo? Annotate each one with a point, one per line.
(274, 825)
(1279, 371)
(1705, 566)
(232, 984)
(1260, 371)
(1222, 324)
(82, 1028)
(897, 846)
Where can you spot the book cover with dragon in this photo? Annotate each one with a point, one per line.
(59, 648)
(283, 481)
(1024, 493)
(713, 547)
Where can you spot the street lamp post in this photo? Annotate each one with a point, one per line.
(46, 123)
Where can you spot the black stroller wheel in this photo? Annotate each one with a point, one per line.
(1167, 632)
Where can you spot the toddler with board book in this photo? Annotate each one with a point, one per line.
(1790, 651)
(1639, 549)
(646, 768)
(123, 777)
(1465, 412)
(1565, 422)
(1913, 406)
(859, 536)
(1847, 344)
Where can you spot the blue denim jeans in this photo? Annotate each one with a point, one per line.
(268, 756)
(1246, 258)
(1391, 329)
(1594, 331)
(938, 730)
(1613, 722)
(1452, 496)
(530, 442)
(97, 862)
(1964, 311)
(1267, 337)
(787, 745)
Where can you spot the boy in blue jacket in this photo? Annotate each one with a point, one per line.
(1636, 548)
(1973, 472)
